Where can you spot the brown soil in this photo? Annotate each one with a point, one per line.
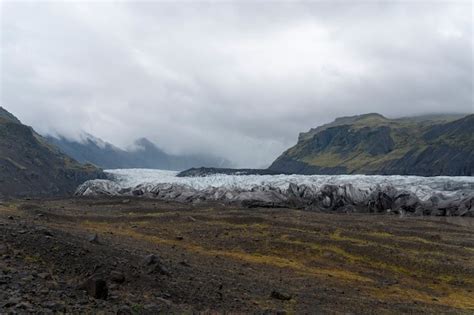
(224, 259)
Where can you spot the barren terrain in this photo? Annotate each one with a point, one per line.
(213, 258)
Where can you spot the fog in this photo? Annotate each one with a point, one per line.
(236, 79)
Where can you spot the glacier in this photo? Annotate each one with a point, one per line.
(441, 195)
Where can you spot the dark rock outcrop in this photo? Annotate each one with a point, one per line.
(294, 166)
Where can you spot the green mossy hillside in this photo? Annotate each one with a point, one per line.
(373, 144)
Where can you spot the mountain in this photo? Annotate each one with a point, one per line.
(144, 154)
(30, 166)
(373, 144)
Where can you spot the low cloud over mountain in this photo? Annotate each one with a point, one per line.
(235, 79)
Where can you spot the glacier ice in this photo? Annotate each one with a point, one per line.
(444, 195)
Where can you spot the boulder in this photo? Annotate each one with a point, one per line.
(94, 239)
(280, 296)
(96, 287)
(153, 264)
(117, 276)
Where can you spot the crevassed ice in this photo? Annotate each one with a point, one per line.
(423, 187)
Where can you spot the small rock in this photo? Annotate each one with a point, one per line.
(24, 305)
(45, 231)
(11, 217)
(125, 201)
(152, 308)
(117, 276)
(44, 291)
(11, 302)
(96, 288)
(52, 285)
(54, 306)
(164, 301)
(124, 310)
(28, 278)
(94, 239)
(97, 267)
(179, 238)
(3, 249)
(159, 268)
(155, 265)
(280, 296)
(44, 275)
(150, 260)
(5, 279)
(184, 263)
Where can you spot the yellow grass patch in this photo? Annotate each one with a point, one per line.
(457, 298)
(255, 258)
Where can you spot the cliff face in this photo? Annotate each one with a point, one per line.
(373, 144)
(30, 166)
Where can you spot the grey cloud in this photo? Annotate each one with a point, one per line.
(236, 79)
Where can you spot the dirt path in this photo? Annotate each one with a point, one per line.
(215, 258)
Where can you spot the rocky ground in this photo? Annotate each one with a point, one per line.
(139, 256)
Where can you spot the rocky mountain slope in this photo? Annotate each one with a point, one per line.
(30, 166)
(145, 154)
(373, 144)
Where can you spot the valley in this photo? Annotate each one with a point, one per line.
(236, 157)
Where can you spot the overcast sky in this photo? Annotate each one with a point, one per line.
(239, 80)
